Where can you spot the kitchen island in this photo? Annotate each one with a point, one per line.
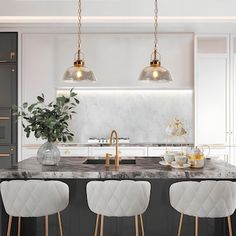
(160, 218)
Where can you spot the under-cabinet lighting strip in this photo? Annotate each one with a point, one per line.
(60, 91)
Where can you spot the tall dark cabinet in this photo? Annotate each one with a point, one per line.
(8, 97)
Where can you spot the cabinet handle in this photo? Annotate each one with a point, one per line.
(4, 61)
(5, 118)
(12, 55)
(4, 155)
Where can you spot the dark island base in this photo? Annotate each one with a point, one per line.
(160, 218)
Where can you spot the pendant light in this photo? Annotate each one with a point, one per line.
(79, 72)
(155, 72)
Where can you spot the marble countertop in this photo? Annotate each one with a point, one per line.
(145, 168)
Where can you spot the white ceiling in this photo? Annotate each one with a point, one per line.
(175, 15)
(118, 7)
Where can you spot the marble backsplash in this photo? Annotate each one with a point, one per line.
(141, 115)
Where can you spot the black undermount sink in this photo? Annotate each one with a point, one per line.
(112, 161)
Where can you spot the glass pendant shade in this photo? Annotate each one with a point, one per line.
(77, 73)
(156, 73)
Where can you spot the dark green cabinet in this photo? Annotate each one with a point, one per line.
(8, 85)
(8, 47)
(8, 156)
(8, 97)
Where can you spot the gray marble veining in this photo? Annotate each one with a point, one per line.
(145, 168)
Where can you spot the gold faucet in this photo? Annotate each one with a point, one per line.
(117, 158)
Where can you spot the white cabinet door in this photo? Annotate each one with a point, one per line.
(160, 151)
(233, 156)
(73, 152)
(124, 151)
(28, 152)
(233, 97)
(211, 100)
(219, 153)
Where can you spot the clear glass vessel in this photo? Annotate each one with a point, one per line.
(48, 154)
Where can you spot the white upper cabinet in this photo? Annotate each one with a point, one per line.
(233, 91)
(211, 91)
(116, 59)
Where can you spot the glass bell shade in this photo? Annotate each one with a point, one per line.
(155, 72)
(78, 72)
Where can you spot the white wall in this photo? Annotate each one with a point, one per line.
(117, 60)
(118, 7)
(140, 115)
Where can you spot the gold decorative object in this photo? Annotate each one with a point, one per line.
(117, 158)
(176, 129)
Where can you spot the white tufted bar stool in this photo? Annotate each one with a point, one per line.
(34, 198)
(206, 199)
(113, 198)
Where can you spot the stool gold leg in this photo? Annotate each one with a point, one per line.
(101, 228)
(230, 226)
(96, 227)
(19, 226)
(60, 224)
(180, 224)
(196, 226)
(9, 226)
(142, 226)
(136, 226)
(46, 225)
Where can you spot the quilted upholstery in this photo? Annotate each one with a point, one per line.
(118, 198)
(34, 198)
(210, 199)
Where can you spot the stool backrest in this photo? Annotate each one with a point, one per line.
(118, 198)
(34, 198)
(209, 199)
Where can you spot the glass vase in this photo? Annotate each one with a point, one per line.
(48, 154)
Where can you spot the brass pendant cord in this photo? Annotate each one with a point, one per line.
(79, 28)
(155, 30)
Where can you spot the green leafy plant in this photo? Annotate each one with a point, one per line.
(49, 121)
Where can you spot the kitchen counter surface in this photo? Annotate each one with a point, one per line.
(145, 168)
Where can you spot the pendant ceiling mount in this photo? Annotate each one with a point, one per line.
(79, 72)
(155, 72)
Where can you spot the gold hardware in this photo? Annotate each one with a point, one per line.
(46, 225)
(5, 118)
(4, 155)
(9, 226)
(19, 226)
(12, 55)
(102, 223)
(180, 224)
(142, 226)
(196, 226)
(136, 226)
(60, 223)
(96, 227)
(230, 226)
(107, 159)
(117, 158)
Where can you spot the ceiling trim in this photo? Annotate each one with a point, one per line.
(116, 19)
